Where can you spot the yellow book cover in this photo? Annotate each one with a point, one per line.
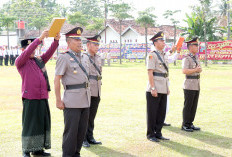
(56, 26)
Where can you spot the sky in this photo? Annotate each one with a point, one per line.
(160, 7)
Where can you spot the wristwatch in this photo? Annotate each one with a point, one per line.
(153, 88)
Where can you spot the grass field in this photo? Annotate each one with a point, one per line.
(121, 119)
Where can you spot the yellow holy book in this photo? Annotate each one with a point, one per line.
(56, 26)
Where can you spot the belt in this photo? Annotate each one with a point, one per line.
(77, 86)
(193, 77)
(160, 74)
(95, 77)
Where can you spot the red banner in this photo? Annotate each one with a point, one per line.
(216, 50)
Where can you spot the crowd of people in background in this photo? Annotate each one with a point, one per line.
(8, 55)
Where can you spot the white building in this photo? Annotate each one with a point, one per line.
(132, 33)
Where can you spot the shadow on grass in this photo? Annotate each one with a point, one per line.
(206, 137)
(103, 151)
(187, 150)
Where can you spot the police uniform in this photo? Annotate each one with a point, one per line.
(6, 57)
(95, 87)
(1, 56)
(156, 106)
(76, 96)
(11, 56)
(191, 89)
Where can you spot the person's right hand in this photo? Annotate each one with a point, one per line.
(198, 69)
(60, 104)
(154, 93)
(44, 35)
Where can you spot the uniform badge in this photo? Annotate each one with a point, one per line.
(99, 38)
(28, 42)
(150, 56)
(78, 31)
(75, 70)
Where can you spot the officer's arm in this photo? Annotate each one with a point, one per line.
(186, 67)
(57, 87)
(150, 78)
(189, 71)
(59, 103)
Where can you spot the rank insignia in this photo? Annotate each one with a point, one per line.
(78, 31)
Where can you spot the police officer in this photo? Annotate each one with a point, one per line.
(191, 68)
(1, 55)
(11, 55)
(157, 90)
(95, 86)
(6, 56)
(72, 68)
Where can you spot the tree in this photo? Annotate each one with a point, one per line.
(78, 17)
(196, 27)
(146, 19)
(121, 12)
(170, 15)
(96, 24)
(90, 8)
(7, 21)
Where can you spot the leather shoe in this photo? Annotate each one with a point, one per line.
(162, 138)
(41, 153)
(153, 139)
(195, 128)
(93, 141)
(26, 154)
(165, 124)
(85, 143)
(188, 129)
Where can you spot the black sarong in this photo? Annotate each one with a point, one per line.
(36, 120)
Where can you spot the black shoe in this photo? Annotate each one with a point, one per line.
(153, 139)
(188, 129)
(26, 154)
(195, 128)
(93, 141)
(165, 124)
(162, 138)
(41, 153)
(85, 143)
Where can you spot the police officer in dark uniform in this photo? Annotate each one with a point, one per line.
(95, 86)
(6, 56)
(11, 56)
(191, 68)
(157, 89)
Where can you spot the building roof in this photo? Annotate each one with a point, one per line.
(115, 25)
(66, 27)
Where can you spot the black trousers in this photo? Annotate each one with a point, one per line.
(156, 111)
(6, 59)
(1, 60)
(11, 59)
(190, 106)
(92, 114)
(75, 125)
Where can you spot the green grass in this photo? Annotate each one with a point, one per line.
(121, 120)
